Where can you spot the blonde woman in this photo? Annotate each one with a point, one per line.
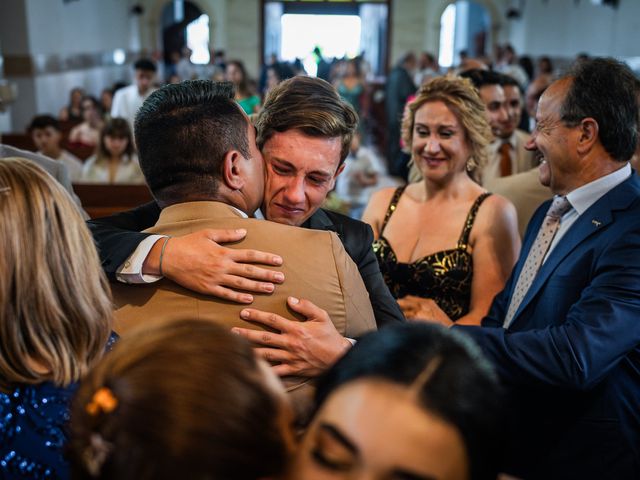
(55, 317)
(445, 246)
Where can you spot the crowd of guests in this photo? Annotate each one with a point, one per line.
(518, 359)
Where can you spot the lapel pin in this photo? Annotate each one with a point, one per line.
(596, 223)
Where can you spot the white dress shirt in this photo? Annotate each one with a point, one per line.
(583, 197)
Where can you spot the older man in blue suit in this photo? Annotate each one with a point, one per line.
(566, 328)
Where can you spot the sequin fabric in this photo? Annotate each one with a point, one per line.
(32, 431)
(444, 276)
(33, 420)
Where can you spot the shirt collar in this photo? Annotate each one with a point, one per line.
(583, 197)
(240, 212)
(497, 143)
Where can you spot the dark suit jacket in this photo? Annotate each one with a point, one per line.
(117, 237)
(571, 357)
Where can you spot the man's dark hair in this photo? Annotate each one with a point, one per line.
(145, 64)
(462, 388)
(480, 77)
(508, 80)
(183, 132)
(310, 105)
(43, 121)
(605, 90)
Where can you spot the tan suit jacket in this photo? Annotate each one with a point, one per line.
(316, 267)
(524, 190)
(521, 159)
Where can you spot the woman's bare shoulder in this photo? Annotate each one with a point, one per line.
(497, 212)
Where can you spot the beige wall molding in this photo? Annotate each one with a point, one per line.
(43, 64)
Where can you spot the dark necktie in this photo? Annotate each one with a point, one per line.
(505, 159)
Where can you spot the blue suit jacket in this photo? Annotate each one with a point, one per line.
(571, 357)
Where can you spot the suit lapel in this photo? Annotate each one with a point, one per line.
(593, 221)
(321, 221)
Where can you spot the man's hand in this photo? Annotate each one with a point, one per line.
(301, 348)
(423, 309)
(197, 262)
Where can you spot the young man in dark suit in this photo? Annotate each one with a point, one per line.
(304, 132)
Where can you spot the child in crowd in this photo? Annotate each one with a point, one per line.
(47, 136)
(88, 132)
(115, 161)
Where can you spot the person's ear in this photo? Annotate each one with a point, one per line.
(589, 130)
(232, 172)
(335, 176)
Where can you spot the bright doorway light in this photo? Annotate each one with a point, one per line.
(447, 36)
(198, 40)
(336, 35)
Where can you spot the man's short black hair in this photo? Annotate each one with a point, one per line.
(44, 121)
(145, 65)
(481, 78)
(183, 132)
(605, 90)
(508, 80)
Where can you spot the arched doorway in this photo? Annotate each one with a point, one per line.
(465, 28)
(183, 24)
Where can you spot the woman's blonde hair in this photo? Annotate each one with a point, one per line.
(55, 306)
(463, 100)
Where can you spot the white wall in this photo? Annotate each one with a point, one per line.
(415, 24)
(51, 32)
(243, 33)
(77, 27)
(563, 28)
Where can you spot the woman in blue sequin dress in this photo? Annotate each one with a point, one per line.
(55, 318)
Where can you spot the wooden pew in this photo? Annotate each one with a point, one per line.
(19, 140)
(100, 200)
(24, 142)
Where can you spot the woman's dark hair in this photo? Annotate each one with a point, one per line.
(94, 101)
(116, 127)
(244, 87)
(453, 380)
(185, 399)
(527, 65)
(545, 65)
(282, 70)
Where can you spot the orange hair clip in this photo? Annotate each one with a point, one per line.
(102, 401)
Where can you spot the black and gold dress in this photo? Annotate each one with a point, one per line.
(444, 276)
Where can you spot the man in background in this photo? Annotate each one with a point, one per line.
(47, 136)
(128, 100)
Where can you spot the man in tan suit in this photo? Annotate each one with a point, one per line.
(198, 153)
(503, 101)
